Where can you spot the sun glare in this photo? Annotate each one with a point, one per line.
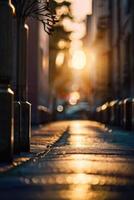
(78, 60)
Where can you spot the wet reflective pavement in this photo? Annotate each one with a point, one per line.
(90, 161)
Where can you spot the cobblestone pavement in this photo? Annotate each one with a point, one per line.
(90, 161)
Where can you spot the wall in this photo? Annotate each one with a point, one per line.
(38, 69)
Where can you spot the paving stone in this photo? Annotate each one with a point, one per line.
(90, 161)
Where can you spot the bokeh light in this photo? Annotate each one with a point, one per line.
(60, 108)
(74, 97)
(81, 8)
(60, 59)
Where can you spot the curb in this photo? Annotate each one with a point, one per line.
(25, 158)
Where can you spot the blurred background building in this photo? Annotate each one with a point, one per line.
(89, 57)
(69, 71)
(111, 41)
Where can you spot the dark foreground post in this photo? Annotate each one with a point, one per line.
(21, 89)
(128, 112)
(25, 105)
(39, 10)
(6, 94)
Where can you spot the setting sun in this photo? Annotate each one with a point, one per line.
(78, 60)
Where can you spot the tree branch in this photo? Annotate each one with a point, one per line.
(37, 9)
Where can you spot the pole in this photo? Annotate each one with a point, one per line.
(6, 94)
(21, 87)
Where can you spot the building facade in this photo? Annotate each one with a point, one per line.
(100, 49)
(112, 40)
(38, 69)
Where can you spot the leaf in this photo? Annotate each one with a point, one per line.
(36, 9)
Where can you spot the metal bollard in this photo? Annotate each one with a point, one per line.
(121, 113)
(98, 114)
(115, 110)
(127, 118)
(17, 126)
(105, 112)
(25, 126)
(112, 112)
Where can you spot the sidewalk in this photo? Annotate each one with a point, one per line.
(89, 162)
(42, 139)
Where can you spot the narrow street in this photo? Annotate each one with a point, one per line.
(66, 100)
(89, 161)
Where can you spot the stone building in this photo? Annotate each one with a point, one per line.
(38, 69)
(111, 40)
(100, 51)
(126, 48)
(122, 47)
